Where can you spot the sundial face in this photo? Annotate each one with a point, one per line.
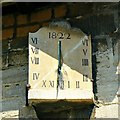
(60, 64)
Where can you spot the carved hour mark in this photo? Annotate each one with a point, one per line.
(35, 60)
(35, 50)
(85, 51)
(85, 78)
(84, 62)
(34, 40)
(36, 76)
(85, 42)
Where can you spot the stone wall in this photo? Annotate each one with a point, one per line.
(100, 20)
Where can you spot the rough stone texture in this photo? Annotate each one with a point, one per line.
(99, 19)
(13, 88)
(8, 20)
(23, 31)
(103, 28)
(27, 113)
(107, 65)
(1, 62)
(21, 19)
(107, 111)
(96, 24)
(107, 79)
(63, 110)
(18, 58)
(7, 33)
(60, 11)
(41, 16)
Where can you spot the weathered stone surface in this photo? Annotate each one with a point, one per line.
(107, 65)
(27, 113)
(18, 58)
(14, 103)
(108, 111)
(95, 24)
(21, 42)
(97, 19)
(43, 63)
(107, 79)
(12, 50)
(13, 88)
(1, 63)
(15, 74)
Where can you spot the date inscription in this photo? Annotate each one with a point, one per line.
(59, 35)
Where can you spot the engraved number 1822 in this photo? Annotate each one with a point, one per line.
(60, 35)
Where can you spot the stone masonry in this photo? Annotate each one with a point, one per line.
(100, 20)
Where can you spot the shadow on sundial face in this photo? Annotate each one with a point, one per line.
(76, 51)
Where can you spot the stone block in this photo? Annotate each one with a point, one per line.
(41, 16)
(14, 90)
(19, 44)
(79, 8)
(60, 11)
(1, 63)
(14, 75)
(23, 31)
(18, 58)
(27, 113)
(4, 44)
(21, 19)
(7, 33)
(8, 20)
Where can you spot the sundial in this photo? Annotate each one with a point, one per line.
(60, 65)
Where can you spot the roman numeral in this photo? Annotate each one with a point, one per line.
(85, 51)
(35, 60)
(44, 83)
(68, 84)
(84, 62)
(35, 50)
(36, 76)
(85, 42)
(85, 78)
(34, 40)
(51, 83)
(77, 84)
